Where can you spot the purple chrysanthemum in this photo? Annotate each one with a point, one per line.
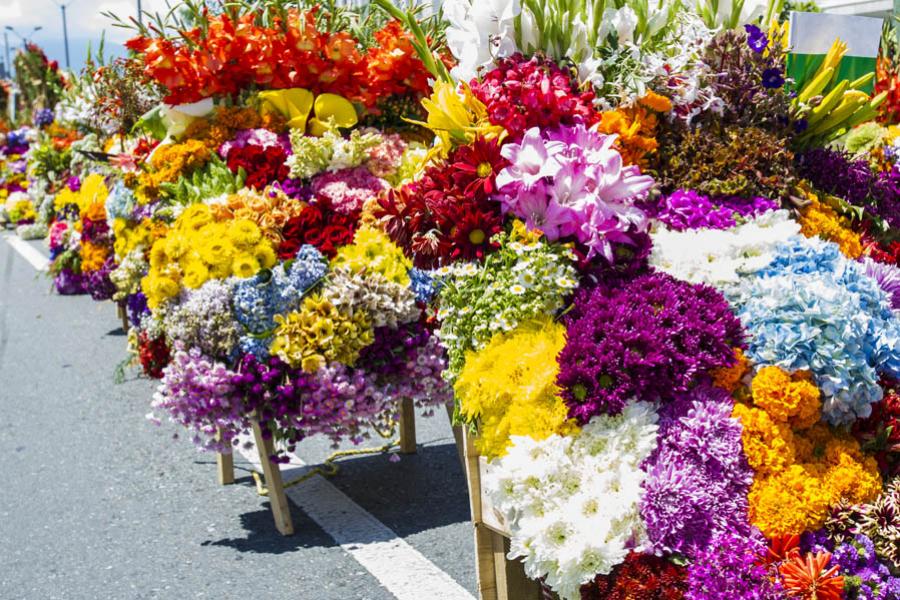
(688, 209)
(888, 278)
(730, 568)
(649, 338)
(698, 477)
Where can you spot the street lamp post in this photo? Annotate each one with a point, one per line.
(6, 45)
(140, 15)
(24, 38)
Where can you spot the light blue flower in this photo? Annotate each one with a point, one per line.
(119, 202)
(424, 285)
(812, 308)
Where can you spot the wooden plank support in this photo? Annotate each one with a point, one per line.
(458, 435)
(281, 510)
(123, 316)
(407, 426)
(224, 465)
(499, 578)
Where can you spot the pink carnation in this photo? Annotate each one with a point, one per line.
(348, 189)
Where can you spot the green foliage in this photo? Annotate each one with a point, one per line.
(214, 179)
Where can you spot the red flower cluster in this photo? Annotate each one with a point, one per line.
(880, 433)
(448, 214)
(640, 577)
(263, 165)
(320, 226)
(883, 252)
(228, 56)
(520, 94)
(153, 354)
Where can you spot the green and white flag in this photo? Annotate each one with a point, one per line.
(812, 34)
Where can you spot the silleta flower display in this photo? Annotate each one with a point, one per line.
(652, 266)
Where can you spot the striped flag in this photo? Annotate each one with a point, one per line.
(811, 35)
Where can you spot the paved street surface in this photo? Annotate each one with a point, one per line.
(99, 503)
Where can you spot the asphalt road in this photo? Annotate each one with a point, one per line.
(97, 502)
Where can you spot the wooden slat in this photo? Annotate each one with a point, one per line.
(407, 426)
(281, 510)
(224, 465)
(458, 434)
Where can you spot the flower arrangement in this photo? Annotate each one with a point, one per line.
(667, 294)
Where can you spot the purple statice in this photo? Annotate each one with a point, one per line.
(649, 338)
(698, 477)
(834, 172)
(69, 283)
(887, 276)
(730, 567)
(43, 117)
(98, 284)
(136, 308)
(197, 392)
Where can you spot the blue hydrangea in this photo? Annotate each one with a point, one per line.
(119, 202)
(423, 285)
(811, 308)
(258, 299)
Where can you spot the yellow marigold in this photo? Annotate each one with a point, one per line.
(787, 398)
(657, 102)
(729, 378)
(819, 219)
(171, 161)
(373, 251)
(95, 211)
(92, 256)
(509, 386)
(788, 502)
(319, 333)
(768, 444)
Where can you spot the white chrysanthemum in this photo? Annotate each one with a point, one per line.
(572, 503)
(719, 257)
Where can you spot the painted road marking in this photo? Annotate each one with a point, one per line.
(28, 252)
(400, 568)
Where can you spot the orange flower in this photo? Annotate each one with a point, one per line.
(729, 378)
(806, 577)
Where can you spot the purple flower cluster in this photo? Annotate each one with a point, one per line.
(888, 278)
(69, 283)
(730, 568)
(198, 393)
(834, 172)
(698, 477)
(136, 308)
(98, 284)
(650, 338)
(866, 578)
(687, 209)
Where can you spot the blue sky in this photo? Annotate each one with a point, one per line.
(85, 25)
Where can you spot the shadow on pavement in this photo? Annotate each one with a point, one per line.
(262, 538)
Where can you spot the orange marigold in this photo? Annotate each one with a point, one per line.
(791, 398)
(636, 127)
(819, 219)
(768, 444)
(92, 256)
(729, 378)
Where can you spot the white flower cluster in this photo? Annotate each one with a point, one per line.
(719, 257)
(572, 503)
(387, 303)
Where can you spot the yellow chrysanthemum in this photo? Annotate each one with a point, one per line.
(373, 251)
(243, 233)
(509, 386)
(819, 219)
(244, 265)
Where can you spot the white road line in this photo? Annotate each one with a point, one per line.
(399, 567)
(28, 252)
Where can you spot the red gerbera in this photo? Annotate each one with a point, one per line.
(475, 167)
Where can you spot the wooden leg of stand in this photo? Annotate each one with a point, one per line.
(123, 315)
(407, 427)
(512, 583)
(485, 568)
(281, 510)
(224, 465)
(458, 436)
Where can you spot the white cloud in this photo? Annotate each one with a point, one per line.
(85, 23)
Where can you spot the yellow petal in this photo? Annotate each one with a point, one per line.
(336, 109)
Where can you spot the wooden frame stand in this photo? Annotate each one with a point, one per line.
(499, 578)
(274, 483)
(123, 316)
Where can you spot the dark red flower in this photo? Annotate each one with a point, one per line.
(475, 167)
(263, 165)
(640, 577)
(319, 226)
(153, 354)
